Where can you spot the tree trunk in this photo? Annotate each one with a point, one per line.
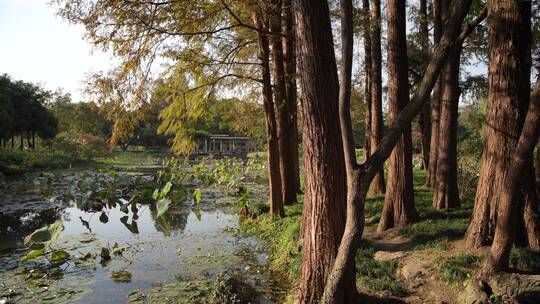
(445, 191)
(364, 174)
(531, 215)
(12, 141)
(283, 119)
(424, 123)
(276, 206)
(509, 69)
(22, 141)
(323, 218)
(290, 88)
(367, 77)
(435, 100)
(377, 185)
(537, 167)
(33, 140)
(521, 157)
(399, 209)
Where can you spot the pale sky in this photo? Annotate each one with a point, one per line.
(40, 47)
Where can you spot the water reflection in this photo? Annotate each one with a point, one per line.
(186, 242)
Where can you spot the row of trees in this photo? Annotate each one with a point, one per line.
(23, 113)
(253, 47)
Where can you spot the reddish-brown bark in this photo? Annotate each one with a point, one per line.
(276, 206)
(445, 189)
(399, 208)
(435, 100)
(323, 218)
(377, 124)
(508, 211)
(291, 88)
(509, 68)
(284, 121)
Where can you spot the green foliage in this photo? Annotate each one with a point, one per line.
(39, 240)
(525, 259)
(58, 257)
(377, 275)
(457, 268)
(197, 196)
(45, 235)
(23, 111)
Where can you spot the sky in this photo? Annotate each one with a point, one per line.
(40, 47)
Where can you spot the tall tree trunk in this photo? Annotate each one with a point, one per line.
(399, 209)
(283, 119)
(377, 186)
(508, 211)
(424, 123)
(537, 166)
(22, 141)
(367, 77)
(530, 201)
(276, 206)
(33, 140)
(12, 141)
(344, 291)
(364, 174)
(509, 64)
(445, 191)
(323, 218)
(290, 88)
(435, 100)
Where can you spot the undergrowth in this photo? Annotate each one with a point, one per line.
(525, 259)
(377, 275)
(456, 269)
(281, 236)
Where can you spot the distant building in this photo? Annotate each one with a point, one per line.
(224, 145)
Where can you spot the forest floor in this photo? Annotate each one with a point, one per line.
(422, 263)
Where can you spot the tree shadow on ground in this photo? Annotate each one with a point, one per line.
(370, 299)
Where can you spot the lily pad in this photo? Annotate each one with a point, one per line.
(58, 257)
(121, 276)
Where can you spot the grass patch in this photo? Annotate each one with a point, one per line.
(281, 236)
(457, 268)
(377, 275)
(14, 161)
(134, 157)
(525, 259)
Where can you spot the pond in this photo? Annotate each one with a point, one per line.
(126, 231)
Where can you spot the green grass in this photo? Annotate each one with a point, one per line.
(525, 259)
(377, 275)
(134, 157)
(457, 268)
(14, 161)
(281, 236)
(435, 228)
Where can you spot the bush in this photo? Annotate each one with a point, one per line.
(92, 146)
